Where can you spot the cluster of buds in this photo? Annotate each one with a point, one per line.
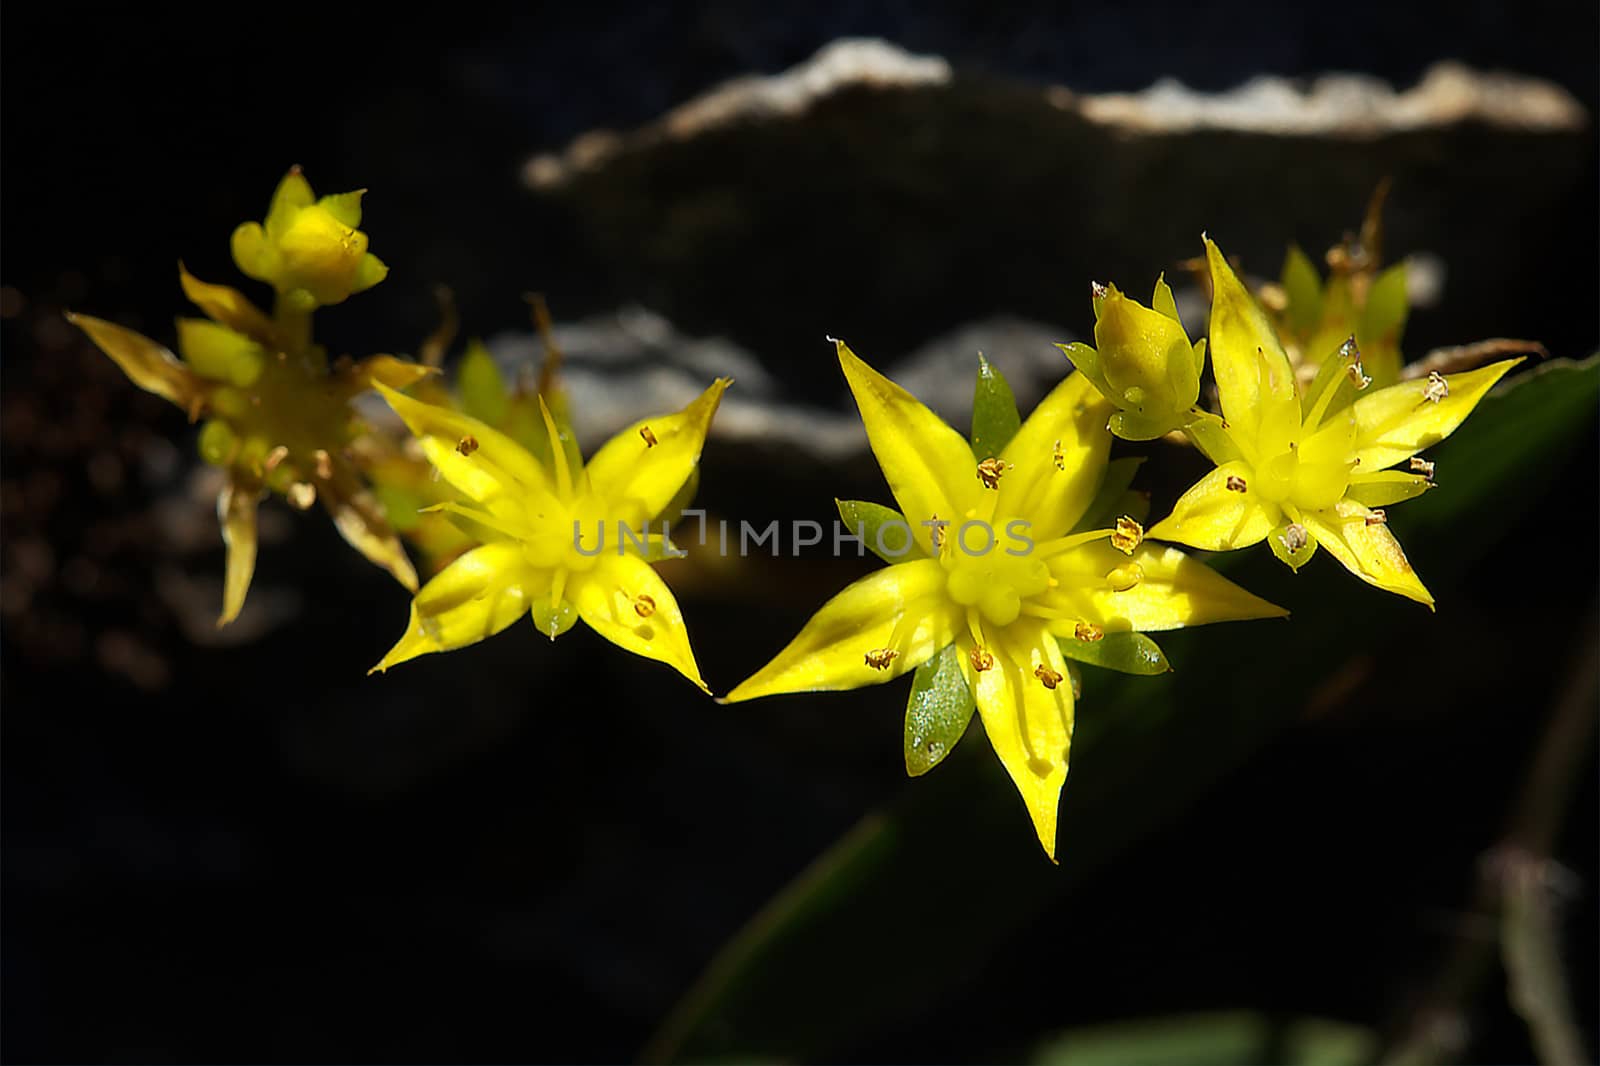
(277, 412)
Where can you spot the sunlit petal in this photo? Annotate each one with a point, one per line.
(1254, 377)
(641, 469)
(1158, 587)
(625, 601)
(929, 466)
(1366, 548)
(1395, 423)
(900, 609)
(1215, 517)
(1056, 460)
(473, 598)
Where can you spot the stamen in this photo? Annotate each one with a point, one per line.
(301, 495)
(324, 463)
(1423, 467)
(1128, 535)
(1047, 677)
(1436, 388)
(275, 457)
(1295, 537)
(880, 658)
(1358, 375)
(1060, 457)
(467, 445)
(649, 436)
(1378, 517)
(980, 659)
(989, 472)
(1235, 483)
(643, 605)
(1096, 290)
(1088, 632)
(936, 533)
(1124, 578)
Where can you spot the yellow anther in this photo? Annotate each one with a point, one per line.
(324, 463)
(1235, 483)
(989, 472)
(1378, 517)
(1060, 457)
(1124, 578)
(1088, 632)
(301, 495)
(274, 457)
(643, 605)
(467, 445)
(1128, 535)
(649, 436)
(1047, 677)
(980, 659)
(1423, 467)
(880, 658)
(1358, 375)
(1435, 388)
(1295, 536)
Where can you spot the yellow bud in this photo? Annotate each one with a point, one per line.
(1150, 370)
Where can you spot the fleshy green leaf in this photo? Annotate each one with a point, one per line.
(1303, 287)
(1128, 653)
(995, 419)
(938, 711)
(882, 529)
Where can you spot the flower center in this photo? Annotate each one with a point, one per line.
(995, 581)
(1291, 478)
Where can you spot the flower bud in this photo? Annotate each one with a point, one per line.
(309, 250)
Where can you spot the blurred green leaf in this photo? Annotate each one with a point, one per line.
(1303, 287)
(938, 711)
(1128, 653)
(994, 412)
(882, 529)
(1226, 1038)
(919, 894)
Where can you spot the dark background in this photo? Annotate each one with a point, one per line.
(251, 852)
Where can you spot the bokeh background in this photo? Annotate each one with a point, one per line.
(238, 848)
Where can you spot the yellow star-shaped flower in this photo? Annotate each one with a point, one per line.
(1002, 581)
(560, 540)
(1303, 470)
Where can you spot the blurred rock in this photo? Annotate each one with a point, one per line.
(876, 195)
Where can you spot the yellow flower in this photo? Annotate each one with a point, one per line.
(1306, 470)
(1002, 593)
(278, 419)
(560, 540)
(309, 250)
(1142, 362)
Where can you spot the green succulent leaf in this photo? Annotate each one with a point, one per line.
(995, 419)
(882, 529)
(1127, 653)
(938, 711)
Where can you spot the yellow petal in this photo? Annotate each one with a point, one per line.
(1368, 551)
(900, 608)
(624, 600)
(228, 306)
(1069, 423)
(929, 466)
(1213, 517)
(388, 370)
(1383, 487)
(1029, 726)
(292, 195)
(1395, 423)
(360, 520)
(637, 478)
(236, 510)
(148, 365)
(1253, 373)
(496, 466)
(473, 598)
(1171, 590)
